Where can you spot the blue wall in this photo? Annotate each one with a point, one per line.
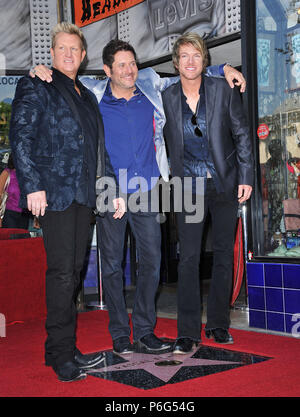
(273, 295)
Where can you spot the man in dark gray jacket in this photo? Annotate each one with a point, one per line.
(207, 138)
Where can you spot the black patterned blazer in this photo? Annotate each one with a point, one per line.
(47, 141)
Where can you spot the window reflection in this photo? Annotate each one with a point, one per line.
(278, 75)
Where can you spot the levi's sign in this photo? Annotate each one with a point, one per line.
(176, 16)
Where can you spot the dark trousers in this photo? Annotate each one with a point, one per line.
(224, 217)
(15, 220)
(66, 235)
(146, 231)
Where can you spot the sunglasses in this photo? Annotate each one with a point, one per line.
(194, 123)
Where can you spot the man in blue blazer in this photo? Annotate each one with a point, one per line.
(57, 140)
(207, 138)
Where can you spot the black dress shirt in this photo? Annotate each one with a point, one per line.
(86, 192)
(197, 157)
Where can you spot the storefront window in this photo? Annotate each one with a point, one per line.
(278, 76)
(7, 91)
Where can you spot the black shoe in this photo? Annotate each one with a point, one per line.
(184, 345)
(151, 344)
(89, 360)
(68, 372)
(220, 335)
(122, 345)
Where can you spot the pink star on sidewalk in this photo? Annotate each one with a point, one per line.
(163, 366)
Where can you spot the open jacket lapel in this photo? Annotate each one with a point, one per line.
(67, 96)
(94, 103)
(175, 101)
(210, 98)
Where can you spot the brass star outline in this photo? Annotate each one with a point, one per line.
(147, 362)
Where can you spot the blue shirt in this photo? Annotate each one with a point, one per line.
(129, 140)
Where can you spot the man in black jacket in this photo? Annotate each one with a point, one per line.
(207, 138)
(56, 134)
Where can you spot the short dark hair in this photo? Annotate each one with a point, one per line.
(114, 46)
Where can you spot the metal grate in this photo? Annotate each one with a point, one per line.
(232, 16)
(123, 26)
(44, 16)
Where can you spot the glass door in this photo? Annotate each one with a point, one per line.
(278, 81)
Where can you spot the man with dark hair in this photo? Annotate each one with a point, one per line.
(56, 133)
(114, 46)
(131, 106)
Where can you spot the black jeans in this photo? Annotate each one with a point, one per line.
(146, 231)
(66, 235)
(224, 217)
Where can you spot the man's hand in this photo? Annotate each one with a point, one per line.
(232, 74)
(37, 203)
(120, 207)
(244, 192)
(44, 73)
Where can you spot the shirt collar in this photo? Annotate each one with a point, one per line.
(201, 89)
(108, 91)
(67, 80)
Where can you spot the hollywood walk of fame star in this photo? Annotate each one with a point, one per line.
(163, 366)
(152, 370)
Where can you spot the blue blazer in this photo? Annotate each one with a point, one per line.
(46, 138)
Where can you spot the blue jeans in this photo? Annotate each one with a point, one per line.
(147, 233)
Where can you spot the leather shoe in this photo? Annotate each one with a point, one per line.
(89, 360)
(184, 345)
(122, 345)
(220, 335)
(68, 372)
(150, 343)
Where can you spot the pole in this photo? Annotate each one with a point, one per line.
(245, 232)
(100, 304)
